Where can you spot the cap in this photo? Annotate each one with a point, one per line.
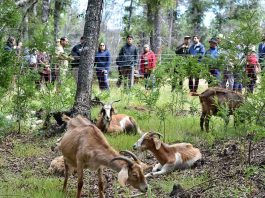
(213, 40)
(187, 37)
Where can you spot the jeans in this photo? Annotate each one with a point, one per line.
(103, 81)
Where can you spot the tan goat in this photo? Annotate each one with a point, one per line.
(109, 122)
(170, 157)
(84, 146)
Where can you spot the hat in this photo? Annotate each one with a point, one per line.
(220, 36)
(252, 48)
(146, 45)
(213, 40)
(187, 37)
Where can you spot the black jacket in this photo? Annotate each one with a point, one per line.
(127, 56)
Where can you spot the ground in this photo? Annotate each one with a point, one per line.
(224, 173)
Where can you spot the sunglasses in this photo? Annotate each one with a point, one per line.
(102, 45)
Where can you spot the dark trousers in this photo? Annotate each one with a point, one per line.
(103, 81)
(252, 77)
(193, 83)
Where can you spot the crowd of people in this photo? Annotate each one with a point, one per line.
(128, 60)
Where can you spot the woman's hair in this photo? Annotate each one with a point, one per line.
(10, 40)
(99, 46)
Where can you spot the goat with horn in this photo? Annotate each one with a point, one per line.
(170, 157)
(84, 146)
(112, 123)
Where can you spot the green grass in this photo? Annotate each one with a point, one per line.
(27, 150)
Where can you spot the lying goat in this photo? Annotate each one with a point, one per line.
(109, 122)
(215, 97)
(84, 146)
(170, 157)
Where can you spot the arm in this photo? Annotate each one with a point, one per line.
(108, 61)
(75, 53)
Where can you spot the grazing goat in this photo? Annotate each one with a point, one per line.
(215, 97)
(170, 157)
(84, 146)
(116, 123)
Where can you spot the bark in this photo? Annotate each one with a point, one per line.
(130, 16)
(157, 31)
(85, 75)
(45, 10)
(56, 16)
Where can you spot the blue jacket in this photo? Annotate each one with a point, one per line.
(213, 52)
(261, 51)
(197, 50)
(102, 60)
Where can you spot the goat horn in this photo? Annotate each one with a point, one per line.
(98, 102)
(156, 133)
(115, 101)
(130, 163)
(130, 154)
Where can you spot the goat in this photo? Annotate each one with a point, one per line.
(84, 146)
(170, 157)
(109, 122)
(212, 98)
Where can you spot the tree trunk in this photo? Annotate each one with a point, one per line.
(157, 32)
(56, 16)
(45, 10)
(85, 75)
(130, 16)
(170, 26)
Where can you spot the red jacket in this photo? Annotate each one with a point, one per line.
(147, 61)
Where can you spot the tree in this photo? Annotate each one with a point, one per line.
(85, 75)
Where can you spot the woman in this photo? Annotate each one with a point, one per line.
(102, 62)
(147, 65)
(251, 69)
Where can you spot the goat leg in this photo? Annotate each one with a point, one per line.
(165, 169)
(80, 179)
(206, 121)
(100, 183)
(202, 120)
(66, 175)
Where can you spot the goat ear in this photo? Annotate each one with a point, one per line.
(157, 143)
(123, 176)
(65, 118)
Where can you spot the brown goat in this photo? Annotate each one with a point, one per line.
(170, 157)
(112, 123)
(215, 97)
(84, 146)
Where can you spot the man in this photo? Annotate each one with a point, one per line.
(182, 50)
(261, 52)
(62, 59)
(197, 49)
(76, 53)
(126, 62)
(212, 53)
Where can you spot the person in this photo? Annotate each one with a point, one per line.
(33, 60)
(76, 53)
(213, 54)
(11, 45)
(102, 62)
(62, 59)
(126, 61)
(44, 66)
(182, 50)
(147, 65)
(261, 52)
(252, 68)
(196, 49)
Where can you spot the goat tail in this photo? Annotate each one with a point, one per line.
(135, 125)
